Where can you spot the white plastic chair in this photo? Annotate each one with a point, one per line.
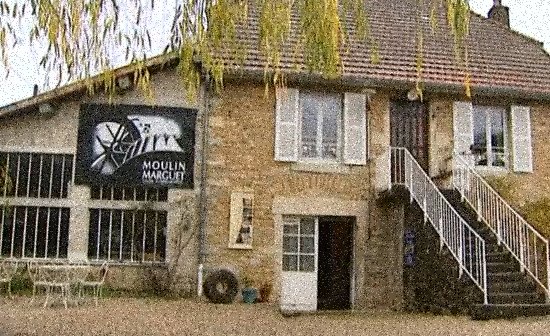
(95, 281)
(8, 268)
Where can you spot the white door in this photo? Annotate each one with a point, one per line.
(299, 273)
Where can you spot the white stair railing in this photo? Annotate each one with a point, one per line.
(525, 243)
(466, 246)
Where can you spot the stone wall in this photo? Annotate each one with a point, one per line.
(241, 158)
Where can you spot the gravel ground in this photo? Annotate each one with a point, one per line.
(125, 316)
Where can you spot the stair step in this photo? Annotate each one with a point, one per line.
(511, 287)
(517, 298)
(505, 276)
(498, 257)
(502, 267)
(494, 311)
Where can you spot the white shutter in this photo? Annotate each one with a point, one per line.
(286, 125)
(521, 139)
(355, 128)
(463, 127)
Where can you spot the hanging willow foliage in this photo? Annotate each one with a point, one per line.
(80, 38)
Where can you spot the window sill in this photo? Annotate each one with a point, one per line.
(491, 171)
(321, 167)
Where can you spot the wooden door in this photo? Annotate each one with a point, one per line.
(409, 128)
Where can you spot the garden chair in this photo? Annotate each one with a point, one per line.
(8, 268)
(56, 277)
(95, 281)
(51, 277)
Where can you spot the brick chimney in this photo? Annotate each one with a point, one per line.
(499, 13)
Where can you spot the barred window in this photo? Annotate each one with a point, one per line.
(37, 175)
(35, 221)
(103, 192)
(34, 232)
(127, 235)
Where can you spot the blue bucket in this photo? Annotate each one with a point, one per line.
(250, 295)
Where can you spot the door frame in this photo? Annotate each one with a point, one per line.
(351, 222)
(425, 136)
(318, 206)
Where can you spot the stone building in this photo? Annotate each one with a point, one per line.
(287, 188)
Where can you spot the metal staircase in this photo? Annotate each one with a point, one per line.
(518, 255)
(465, 245)
(505, 257)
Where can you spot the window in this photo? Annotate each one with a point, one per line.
(490, 136)
(127, 235)
(119, 233)
(321, 127)
(37, 175)
(240, 220)
(35, 224)
(299, 244)
(34, 232)
(321, 123)
(101, 192)
(485, 132)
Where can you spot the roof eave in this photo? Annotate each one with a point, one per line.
(302, 78)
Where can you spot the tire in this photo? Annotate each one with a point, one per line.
(221, 286)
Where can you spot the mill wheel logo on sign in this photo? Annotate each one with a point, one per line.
(135, 145)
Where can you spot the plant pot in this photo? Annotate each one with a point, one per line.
(250, 294)
(265, 292)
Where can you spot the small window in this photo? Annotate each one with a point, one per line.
(490, 137)
(299, 244)
(321, 124)
(241, 221)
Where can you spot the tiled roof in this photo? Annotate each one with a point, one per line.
(500, 60)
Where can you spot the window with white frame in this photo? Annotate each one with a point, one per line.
(490, 136)
(321, 123)
(34, 220)
(321, 127)
(299, 244)
(127, 224)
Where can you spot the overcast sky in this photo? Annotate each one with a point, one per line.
(530, 17)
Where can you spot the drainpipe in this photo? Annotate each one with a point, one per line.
(202, 194)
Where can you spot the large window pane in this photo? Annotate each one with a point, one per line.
(480, 137)
(310, 112)
(331, 117)
(34, 232)
(490, 136)
(497, 138)
(307, 263)
(307, 226)
(321, 118)
(307, 245)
